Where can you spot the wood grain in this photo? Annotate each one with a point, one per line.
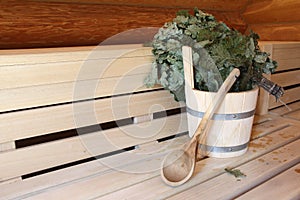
(287, 78)
(82, 178)
(278, 32)
(63, 151)
(289, 96)
(208, 169)
(28, 24)
(227, 187)
(274, 189)
(224, 5)
(41, 121)
(272, 11)
(274, 19)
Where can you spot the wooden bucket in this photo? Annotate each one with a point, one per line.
(229, 131)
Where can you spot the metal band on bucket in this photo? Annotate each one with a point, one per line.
(234, 116)
(223, 149)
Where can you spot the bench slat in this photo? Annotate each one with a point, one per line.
(43, 156)
(287, 64)
(208, 170)
(62, 54)
(35, 122)
(153, 187)
(34, 96)
(286, 50)
(82, 172)
(133, 62)
(287, 78)
(283, 186)
(289, 96)
(257, 171)
(285, 53)
(294, 115)
(68, 175)
(40, 74)
(150, 185)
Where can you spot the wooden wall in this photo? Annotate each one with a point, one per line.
(47, 23)
(56, 23)
(274, 19)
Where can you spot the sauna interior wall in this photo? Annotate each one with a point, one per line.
(57, 23)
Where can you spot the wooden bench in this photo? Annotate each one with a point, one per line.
(78, 123)
(287, 54)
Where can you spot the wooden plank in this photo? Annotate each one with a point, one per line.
(51, 24)
(287, 64)
(47, 155)
(92, 169)
(71, 174)
(289, 96)
(287, 55)
(283, 186)
(7, 146)
(285, 111)
(257, 171)
(57, 24)
(35, 122)
(281, 44)
(272, 11)
(263, 95)
(278, 31)
(150, 186)
(294, 115)
(227, 5)
(11, 181)
(287, 78)
(269, 126)
(40, 95)
(286, 51)
(121, 63)
(64, 54)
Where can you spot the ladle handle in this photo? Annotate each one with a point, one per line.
(218, 98)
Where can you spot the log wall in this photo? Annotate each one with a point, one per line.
(274, 19)
(58, 23)
(52, 23)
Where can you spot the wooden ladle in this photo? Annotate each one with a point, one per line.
(179, 165)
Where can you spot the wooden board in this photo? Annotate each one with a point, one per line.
(287, 78)
(227, 5)
(289, 96)
(127, 62)
(51, 94)
(117, 184)
(284, 110)
(35, 78)
(283, 186)
(7, 146)
(285, 53)
(277, 31)
(286, 50)
(58, 24)
(35, 122)
(153, 188)
(51, 154)
(294, 115)
(272, 11)
(64, 54)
